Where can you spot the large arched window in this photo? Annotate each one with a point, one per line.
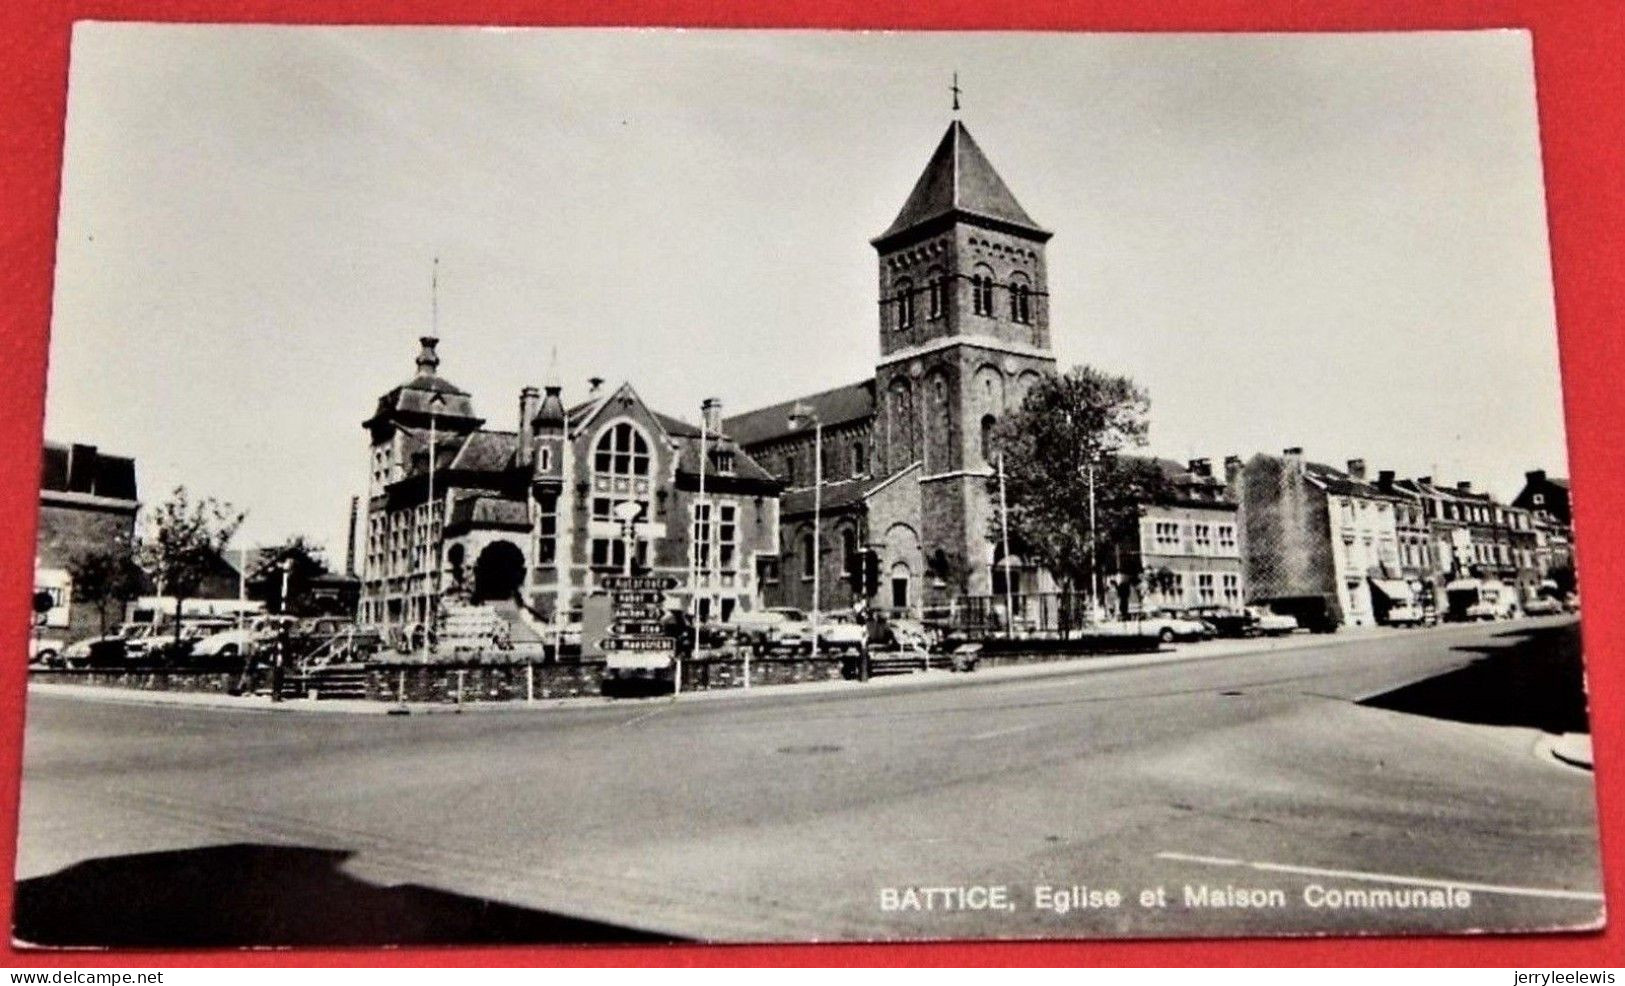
(903, 297)
(621, 467)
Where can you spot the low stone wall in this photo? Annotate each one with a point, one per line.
(139, 679)
(482, 682)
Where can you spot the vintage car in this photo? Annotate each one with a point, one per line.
(1268, 623)
(841, 631)
(775, 628)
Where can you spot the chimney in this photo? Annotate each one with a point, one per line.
(1232, 468)
(1424, 480)
(1465, 486)
(711, 413)
(1294, 458)
(349, 541)
(1357, 469)
(593, 383)
(530, 400)
(1385, 479)
(1201, 467)
(1535, 476)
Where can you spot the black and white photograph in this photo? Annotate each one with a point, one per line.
(513, 486)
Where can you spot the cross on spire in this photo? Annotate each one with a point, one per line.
(956, 91)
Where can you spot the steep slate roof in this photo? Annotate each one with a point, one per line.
(487, 451)
(838, 495)
(483, 510)
(839, 406)
(960, 180)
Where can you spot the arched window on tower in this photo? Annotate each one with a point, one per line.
(1021, 299)
(937, 287)
(790, 470)
(988, 421)
(981, 283)
(903, 296)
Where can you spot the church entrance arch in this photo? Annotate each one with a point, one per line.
(498, 572)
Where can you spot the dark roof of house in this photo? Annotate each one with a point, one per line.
(484, 510)
(959, 180)
(487, 451)
(744, 467)
(838, 495)
(1340, 483)
(84, 469)
(837, 406)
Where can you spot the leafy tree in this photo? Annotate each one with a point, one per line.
(1068, 431)
(105, 575)
(185, 542)
(307, 561)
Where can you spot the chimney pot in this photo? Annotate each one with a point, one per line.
(1201, 467)
(1357, 468)
(1385, 478)
(711, 414)
(1294, 451)
(1535, 475)
(1466, 486)
(593, 383)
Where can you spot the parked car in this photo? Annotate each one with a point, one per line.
(1404, 615)
(841, 632)
(83, 653)
(1227, 621)
(1542, 606)
(1165, 626)
(775, 628)
(1268, 623)
(45, 651)
(227, 645)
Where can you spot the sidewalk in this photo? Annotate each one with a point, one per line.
(936, 678)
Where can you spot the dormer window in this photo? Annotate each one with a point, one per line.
(724, 459)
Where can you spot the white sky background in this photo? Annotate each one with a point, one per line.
(1333, 241)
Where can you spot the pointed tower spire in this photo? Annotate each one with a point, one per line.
(960, 181)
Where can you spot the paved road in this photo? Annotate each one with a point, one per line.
(803, 816)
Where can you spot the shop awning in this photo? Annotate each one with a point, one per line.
(1397, 590)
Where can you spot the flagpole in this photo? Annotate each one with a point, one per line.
(1004, 532)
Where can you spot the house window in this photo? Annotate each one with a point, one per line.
(1227, 537)
(1167, 534)
(547, 530)
(1203, 535)
(808, 555)
(724, 461)
(1204, 587)
(621, 451)
(727, 537)
(700, 538)
(1232, 588)
(1539, 499)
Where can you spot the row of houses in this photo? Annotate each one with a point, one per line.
(1292, 532)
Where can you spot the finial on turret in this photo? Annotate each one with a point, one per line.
(428, 359)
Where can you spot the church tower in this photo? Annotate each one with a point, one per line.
(964, 331)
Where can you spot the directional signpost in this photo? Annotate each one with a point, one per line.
(636, 639)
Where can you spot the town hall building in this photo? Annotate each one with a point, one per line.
(964, 331)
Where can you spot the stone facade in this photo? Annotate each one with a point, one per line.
(964, 331)
(528, 520)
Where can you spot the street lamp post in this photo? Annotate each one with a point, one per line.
(432, 549)
(800, 415)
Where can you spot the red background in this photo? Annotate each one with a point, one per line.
(1579, 67)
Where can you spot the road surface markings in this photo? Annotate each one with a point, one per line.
(1006, 732)
(1409, 881)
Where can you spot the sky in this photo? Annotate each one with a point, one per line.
(1330, 241)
